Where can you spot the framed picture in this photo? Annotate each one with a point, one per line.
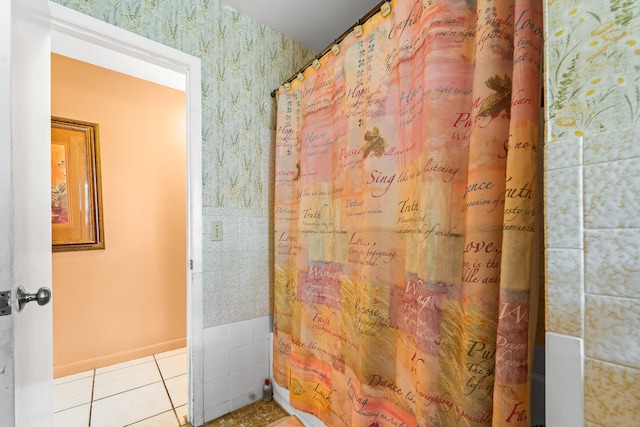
(76, 193)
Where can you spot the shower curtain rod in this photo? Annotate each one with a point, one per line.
(326, 50)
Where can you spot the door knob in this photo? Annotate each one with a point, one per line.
(43, 296)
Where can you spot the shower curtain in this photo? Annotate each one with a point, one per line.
(404, 218)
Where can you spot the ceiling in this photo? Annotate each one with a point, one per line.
(313, 23)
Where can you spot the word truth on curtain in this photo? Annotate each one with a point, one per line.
(404, 218)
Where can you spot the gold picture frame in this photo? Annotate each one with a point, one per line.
(76, 187)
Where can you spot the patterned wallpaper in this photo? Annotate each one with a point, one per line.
(592, 197)
(593, 66)
(242, 62)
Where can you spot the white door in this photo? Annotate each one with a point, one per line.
(26, 364)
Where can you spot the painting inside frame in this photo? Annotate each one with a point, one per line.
(76, 192)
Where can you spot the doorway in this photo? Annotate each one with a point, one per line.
(119, 310)
(89, 40)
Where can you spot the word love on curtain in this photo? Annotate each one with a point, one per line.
(404, 218)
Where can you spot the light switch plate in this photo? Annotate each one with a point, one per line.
(216, 230)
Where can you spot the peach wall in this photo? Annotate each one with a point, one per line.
(128, 300)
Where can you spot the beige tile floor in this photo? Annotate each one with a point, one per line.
(257, 414)
(146, 392)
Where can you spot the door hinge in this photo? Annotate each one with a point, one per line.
(5, 303)
(191, 264)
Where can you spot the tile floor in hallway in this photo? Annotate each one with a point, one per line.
(146, 392)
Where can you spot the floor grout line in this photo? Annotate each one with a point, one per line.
(125, 391)
(93, 385)
(166, 389)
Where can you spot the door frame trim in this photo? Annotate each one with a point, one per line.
(85, 29)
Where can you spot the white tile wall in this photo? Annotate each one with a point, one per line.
(565, 295)
(216, 366)
(611, 394)
(611, 329)
(563, 154)
(592, 199)
(610, 146)
(240, 333)
(563, 213)
(236, 363)
(611, 196)
(236, 273)
(611, 267)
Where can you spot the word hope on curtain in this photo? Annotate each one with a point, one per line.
(404, 218)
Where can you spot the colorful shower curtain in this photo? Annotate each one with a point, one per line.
(404, 218)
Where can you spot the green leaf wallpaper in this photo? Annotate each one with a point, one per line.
(592, 66)
(592, 198)
(242, 62)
